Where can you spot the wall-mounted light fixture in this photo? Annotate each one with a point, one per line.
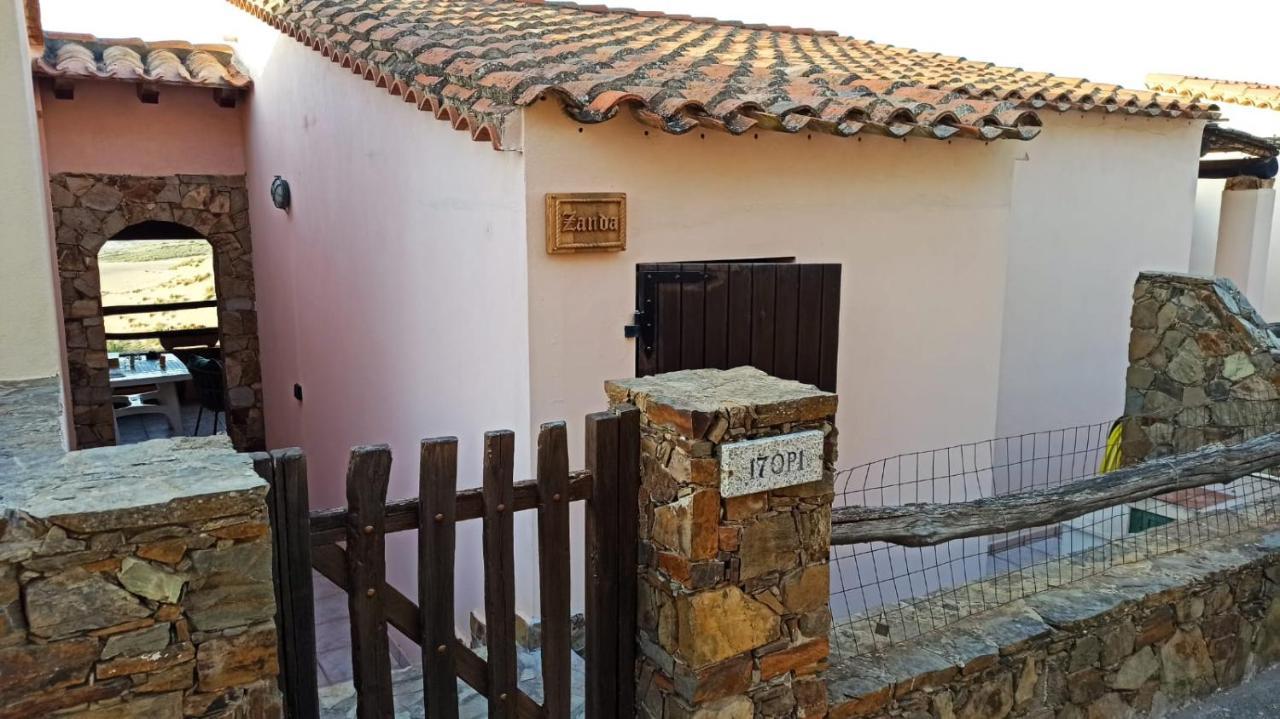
(280, 196)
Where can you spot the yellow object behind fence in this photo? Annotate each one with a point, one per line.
(1111, 457)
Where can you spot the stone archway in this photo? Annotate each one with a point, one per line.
(89, 209)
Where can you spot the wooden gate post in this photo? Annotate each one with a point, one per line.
(737, 471)
(285, 471)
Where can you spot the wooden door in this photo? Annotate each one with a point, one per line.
(777, 316)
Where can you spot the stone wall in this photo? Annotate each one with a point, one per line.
(734, 613)
(1138, 640)
(88, 210)
(135, 581)
(1202, 367)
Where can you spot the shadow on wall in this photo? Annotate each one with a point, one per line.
(1203, 367)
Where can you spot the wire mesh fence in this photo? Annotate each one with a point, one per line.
(884, 593)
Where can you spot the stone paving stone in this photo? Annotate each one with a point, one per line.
(339, 700)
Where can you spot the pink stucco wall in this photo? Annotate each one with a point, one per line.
(393, 291)
(107, 129)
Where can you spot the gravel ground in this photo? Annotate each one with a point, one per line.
(1258, 698)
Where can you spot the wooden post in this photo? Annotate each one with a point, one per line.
(613, 457)
(287, 504)
(925, 525)
(628, 548)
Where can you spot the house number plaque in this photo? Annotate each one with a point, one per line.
(757, 465)
(586, 222)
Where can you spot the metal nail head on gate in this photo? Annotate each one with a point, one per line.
(758, 465)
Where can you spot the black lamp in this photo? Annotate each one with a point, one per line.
(280, 193)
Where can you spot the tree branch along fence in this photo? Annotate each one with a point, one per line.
(1044, 515)
(924, 525)
(347, 547)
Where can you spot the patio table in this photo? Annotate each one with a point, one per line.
(141, 372)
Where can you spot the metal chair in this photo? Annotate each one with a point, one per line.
(206, 374)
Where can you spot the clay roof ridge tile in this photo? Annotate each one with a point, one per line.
(709, 62)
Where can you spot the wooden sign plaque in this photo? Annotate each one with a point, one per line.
(586, 222)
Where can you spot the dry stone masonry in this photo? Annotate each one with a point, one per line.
(1202, 367)
(88, 210)
(734, 612)
(135, 581)
(1135, 641)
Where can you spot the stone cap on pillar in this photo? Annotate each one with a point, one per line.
(704, 403)
(155, 483)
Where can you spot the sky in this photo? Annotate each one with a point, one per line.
(1103, 40)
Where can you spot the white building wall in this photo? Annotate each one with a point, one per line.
(1204, 233)
(1096, 199)
(1244, 240)
(1264, 123)
(29, 322)
(393, 291)
(919, 226)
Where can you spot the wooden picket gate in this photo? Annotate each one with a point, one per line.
(304, 540)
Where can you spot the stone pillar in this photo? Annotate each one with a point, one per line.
(1244, 234)
(734, 592)
(1203, 367)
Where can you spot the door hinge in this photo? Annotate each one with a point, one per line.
(644, 323)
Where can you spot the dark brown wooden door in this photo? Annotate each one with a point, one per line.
(780, 317)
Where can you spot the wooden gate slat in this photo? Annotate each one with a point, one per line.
(809, 325)
(602, 565)
(628, 552)
(763, 289)
(553, 568)
(830, 326)
(777, 316)
(499, 573)
(330, 525)
(692, 319)
(437, 489)
(716, 310)
(668, 349)
(610, 485)
(367, 477)
(786, 319)
(739, 321)
(331, 562)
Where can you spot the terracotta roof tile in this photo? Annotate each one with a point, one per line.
(1250, 94)
(74, 56)
(677, 73)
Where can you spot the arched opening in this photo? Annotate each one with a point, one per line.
(129, 212)
(160, 316)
